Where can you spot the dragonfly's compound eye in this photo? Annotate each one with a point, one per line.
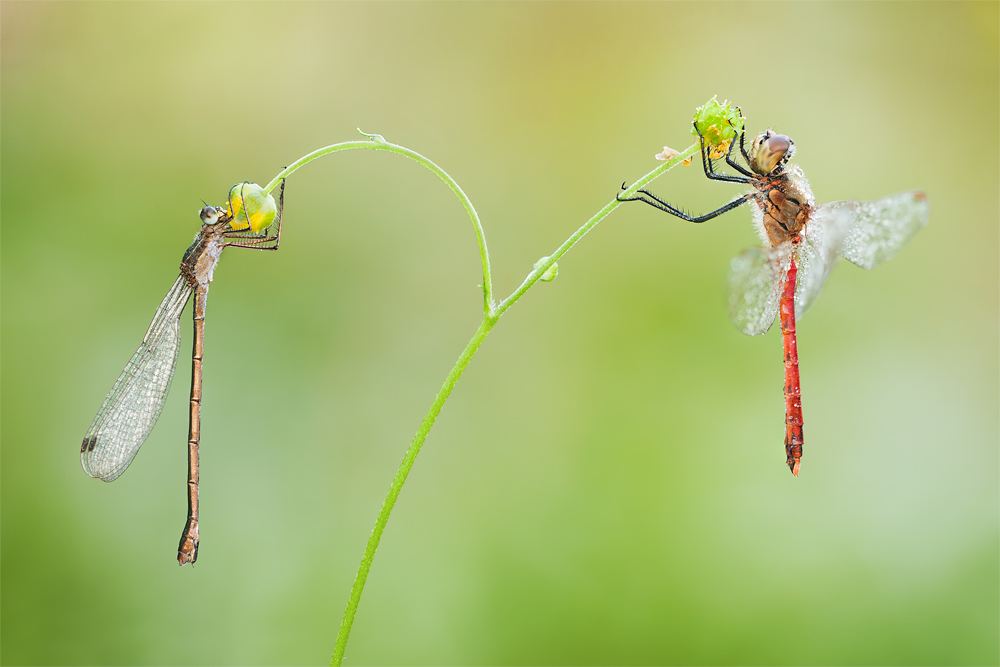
(209, 215)
(773, 150)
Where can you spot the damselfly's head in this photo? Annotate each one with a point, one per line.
(209, 215)
(770, 152)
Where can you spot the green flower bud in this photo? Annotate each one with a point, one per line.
(249, 197)
(550, 273)
(718, 123)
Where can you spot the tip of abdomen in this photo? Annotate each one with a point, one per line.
(793, 465)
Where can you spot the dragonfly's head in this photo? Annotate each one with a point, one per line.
(209, 215)
(771, 151)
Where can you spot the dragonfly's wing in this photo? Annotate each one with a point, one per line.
(883, 226)
(134, 403)
(816, 253)
(756, 279)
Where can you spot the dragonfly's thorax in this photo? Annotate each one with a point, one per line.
(785, 203)
(200, 259)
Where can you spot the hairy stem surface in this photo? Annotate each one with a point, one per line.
(375, 142)
(397, 484)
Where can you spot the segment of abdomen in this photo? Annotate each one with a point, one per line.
(793, 392)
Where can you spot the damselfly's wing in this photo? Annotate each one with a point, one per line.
(816, 252)
(756, 279)
(133, 406)
(883, 226)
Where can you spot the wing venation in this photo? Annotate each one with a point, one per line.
(134, 403)
(816, 254)
(884, 226)
(756, 279)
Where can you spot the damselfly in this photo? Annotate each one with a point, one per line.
(132, 407)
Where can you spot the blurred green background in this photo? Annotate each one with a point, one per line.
(607, 484)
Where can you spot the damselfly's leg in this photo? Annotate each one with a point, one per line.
(258, 242)
(187, 551)
(656, 202)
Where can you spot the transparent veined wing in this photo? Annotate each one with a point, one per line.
(756, 279)
(884, 226)
(134, 403)
(816, 253)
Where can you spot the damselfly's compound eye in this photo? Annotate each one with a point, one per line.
(773, 150)
(209, 215)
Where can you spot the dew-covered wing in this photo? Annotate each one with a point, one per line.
(134, 403)
(816, 253)
(756, 279)
(883, 226)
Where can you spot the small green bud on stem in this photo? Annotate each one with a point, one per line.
(249, 198)
(550, 273)
(719, 124)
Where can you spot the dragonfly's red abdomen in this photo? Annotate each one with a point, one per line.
(793, 391)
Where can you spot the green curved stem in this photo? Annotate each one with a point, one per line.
(536, 274)
(377, 143)
(491, 315)
(397, 483)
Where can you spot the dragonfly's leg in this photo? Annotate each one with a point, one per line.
(743, 149)
(656, 202)
(730, 161)
(743, 134)
(706, 163)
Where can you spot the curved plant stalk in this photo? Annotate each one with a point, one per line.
(378, 143)
(491, 314)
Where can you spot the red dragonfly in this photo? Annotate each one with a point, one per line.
(801, 245)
